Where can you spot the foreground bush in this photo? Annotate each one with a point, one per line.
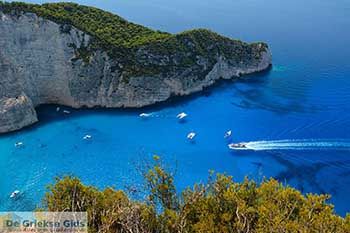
(221, 205)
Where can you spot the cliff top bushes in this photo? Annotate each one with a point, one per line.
(106, 27)
(141, 51)
(221, 205)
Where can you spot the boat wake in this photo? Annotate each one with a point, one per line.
(299, 144)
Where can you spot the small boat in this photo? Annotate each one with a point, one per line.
(144, 115)
(191, 135)
(66, 111)
(181, 116)
(19, 144)
(238, 146)
(87, 137)
(15, 194)
(228, 134)
(58, 109)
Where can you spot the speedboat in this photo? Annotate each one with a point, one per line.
(181, 116)
(15, 194)
(145, 115)
(228, 134)
(19, 144)
(238, 146)
(66, 111)
(58, 109)
(191, 135)
(87, 137)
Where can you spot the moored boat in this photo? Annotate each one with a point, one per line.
(144, 115)
(87, 137)
(191, 135)
(181, 116)
(228, 134)
(15, 194)
(19, 144)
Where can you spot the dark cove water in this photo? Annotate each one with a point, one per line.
(296, 116)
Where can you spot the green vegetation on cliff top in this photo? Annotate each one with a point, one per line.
(109, 29)
(140, 50)
(106, 27)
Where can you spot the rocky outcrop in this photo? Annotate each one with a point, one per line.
(42, 62)
(16, 113)
(16, 109)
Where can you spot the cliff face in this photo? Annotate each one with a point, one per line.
(42, 62)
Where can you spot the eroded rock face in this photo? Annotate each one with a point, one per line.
(16, 113)
(40, 64)
(16, 109)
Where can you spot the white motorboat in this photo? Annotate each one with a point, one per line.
(181, 116)
(144, 115)
(191, 135)
(19, 144)
(87, 137)
(228, 134)
(66, 111)
(238, 146)
(15, 194)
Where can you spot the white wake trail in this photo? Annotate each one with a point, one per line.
(300, 144)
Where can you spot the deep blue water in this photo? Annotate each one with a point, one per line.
(304, 96)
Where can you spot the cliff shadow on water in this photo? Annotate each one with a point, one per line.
(48, 113)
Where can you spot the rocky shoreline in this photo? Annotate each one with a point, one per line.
(40, 64)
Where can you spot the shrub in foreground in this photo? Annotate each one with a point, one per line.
(221, 205)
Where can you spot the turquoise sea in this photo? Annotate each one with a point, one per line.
(297, 115)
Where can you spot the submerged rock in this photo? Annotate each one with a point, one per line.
(46, 62)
